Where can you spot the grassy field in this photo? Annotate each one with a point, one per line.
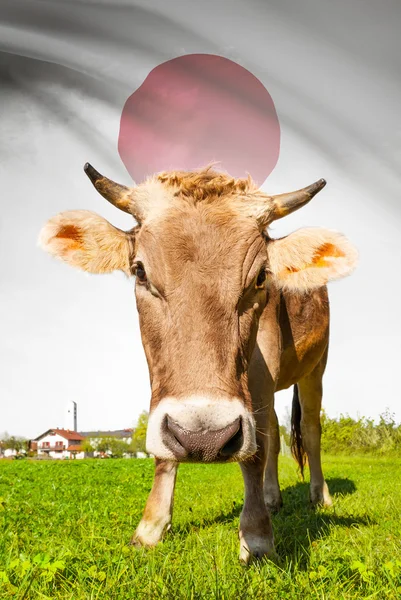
(65, 528)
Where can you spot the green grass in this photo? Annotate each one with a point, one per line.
(65, 528)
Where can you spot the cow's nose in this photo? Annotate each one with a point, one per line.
(204, 445)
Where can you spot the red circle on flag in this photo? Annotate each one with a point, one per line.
(196, 109)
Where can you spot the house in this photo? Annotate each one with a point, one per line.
(121, 434)
(59, 443)
(12, 447)
(9, 453)
(95, 437)
(66, 443)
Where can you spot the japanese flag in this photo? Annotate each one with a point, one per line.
(288, 92)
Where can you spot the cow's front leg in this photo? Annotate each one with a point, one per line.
(159, 507)
(272, 492)
(255, 531)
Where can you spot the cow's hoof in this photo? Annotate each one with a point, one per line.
(320, 496)
(255, 547)
(148, 534)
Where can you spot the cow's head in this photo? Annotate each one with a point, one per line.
(204, 268)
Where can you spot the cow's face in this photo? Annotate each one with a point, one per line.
(204, 269)
(200, 293)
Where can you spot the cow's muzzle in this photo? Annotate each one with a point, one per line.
(204, 445)
(201, 429)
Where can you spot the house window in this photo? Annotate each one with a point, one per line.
(59, 445)
(46, 445)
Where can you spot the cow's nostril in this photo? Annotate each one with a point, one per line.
(172, 440)
(234, 444)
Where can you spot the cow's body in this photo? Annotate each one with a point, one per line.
(228, 316)
(291, 350)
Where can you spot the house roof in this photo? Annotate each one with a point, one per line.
(74, 448)
(116, 433)
(67, 434)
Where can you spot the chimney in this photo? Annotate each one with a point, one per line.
(71, 416)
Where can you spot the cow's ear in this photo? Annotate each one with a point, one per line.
(85, 240)
(309, 258)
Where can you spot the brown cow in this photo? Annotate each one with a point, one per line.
(228, 316)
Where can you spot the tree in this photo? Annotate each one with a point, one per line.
(87, 446)
(103, 445)
(286, 420)
(15, 443)
(138, 443)
(112, 446)
(285, 435)
(346, 434)
(118, 447)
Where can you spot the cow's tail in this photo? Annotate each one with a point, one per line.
(297, 448)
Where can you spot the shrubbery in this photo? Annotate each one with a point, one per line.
(362, 435)
(117, 448)
(19, 444)
(343, 434)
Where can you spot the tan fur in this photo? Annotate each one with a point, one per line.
(86, 241)
(309, 258)
(158, 511)
(206, 184)
(169, 189)
(153, 198)
(202, 282)
(208, 329)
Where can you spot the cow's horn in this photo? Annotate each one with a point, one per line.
(285, 204)
(116, 194)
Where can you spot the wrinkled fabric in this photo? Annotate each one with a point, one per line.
(66, 69)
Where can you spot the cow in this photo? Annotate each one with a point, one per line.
(228, 316)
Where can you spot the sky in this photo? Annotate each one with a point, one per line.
(66, 71)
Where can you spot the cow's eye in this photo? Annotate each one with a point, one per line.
(141, 273)
(261, 278)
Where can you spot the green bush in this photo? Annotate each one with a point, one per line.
(346, 434)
